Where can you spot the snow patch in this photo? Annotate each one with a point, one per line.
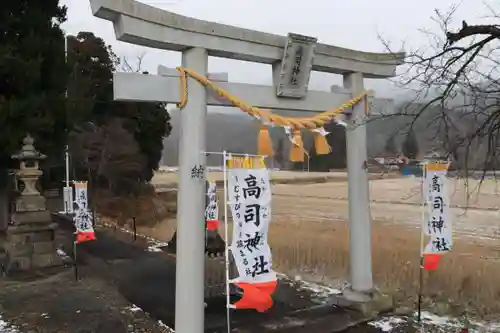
(436, 324)
(156, 246)
(6, 327)
(319, 291)
(167, 329)
(387, 324)
(134, 308)
(63, 254)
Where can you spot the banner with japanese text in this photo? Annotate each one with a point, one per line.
(212, 208)
(437, 224)
(249, 195)
(81, 198)
(82, 218)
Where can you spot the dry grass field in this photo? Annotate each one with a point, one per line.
(309, 237)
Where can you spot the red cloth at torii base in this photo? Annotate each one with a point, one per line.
(431, 261)
(82, 237)
(256, 296)
(212, 225)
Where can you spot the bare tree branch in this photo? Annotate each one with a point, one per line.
(137, 67)
(455, 82)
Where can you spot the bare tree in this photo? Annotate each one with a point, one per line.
(136, 68)
(455, 80)
(109, 154)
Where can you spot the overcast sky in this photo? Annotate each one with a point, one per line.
(352, 24)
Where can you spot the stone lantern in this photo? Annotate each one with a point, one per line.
(30, 241)
(29, 173)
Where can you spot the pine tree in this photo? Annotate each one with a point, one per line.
(32, 83)
(90, 98)
(32, 76)
(90, 84)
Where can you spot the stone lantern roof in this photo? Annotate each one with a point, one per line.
(28, 151)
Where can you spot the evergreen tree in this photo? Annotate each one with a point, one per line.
(410, 146)
(90, 84)
(90, 96)
(32, 76)
(32, 83)
(150, 124)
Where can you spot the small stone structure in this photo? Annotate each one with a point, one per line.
(30, 238)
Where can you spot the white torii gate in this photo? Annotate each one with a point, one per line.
(145, 25)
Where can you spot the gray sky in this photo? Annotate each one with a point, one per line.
(352, 24)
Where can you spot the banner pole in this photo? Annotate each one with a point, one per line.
(420, 287)
(421, 268)
(226, 236)
(75, 266)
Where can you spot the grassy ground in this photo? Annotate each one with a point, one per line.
(313, 242)
(466, 278)
(318, 251)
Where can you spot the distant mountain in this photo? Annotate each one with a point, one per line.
(233, 133)
(236, 132)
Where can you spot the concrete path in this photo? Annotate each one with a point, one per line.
(147, 279)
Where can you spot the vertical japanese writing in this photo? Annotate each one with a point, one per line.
(212, 209)
(296, 66)
(83, 221)
(81, 198)
(251, 190)
(82, 218)
(252, 214)
(261, 266)
(438, 222)
(250, 203)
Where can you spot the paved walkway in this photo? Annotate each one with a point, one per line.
(147, 279)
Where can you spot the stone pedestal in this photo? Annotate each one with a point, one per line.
(30, 241)
(369, 304)
(30, 247)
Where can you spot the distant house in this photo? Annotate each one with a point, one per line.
(436, 155)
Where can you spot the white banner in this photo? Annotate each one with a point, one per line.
(83, 221)
(83, 218)
(81, 198)
(212, 209)
(249, 194)
(437, 223)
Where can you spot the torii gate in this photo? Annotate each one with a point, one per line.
(145, 25)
